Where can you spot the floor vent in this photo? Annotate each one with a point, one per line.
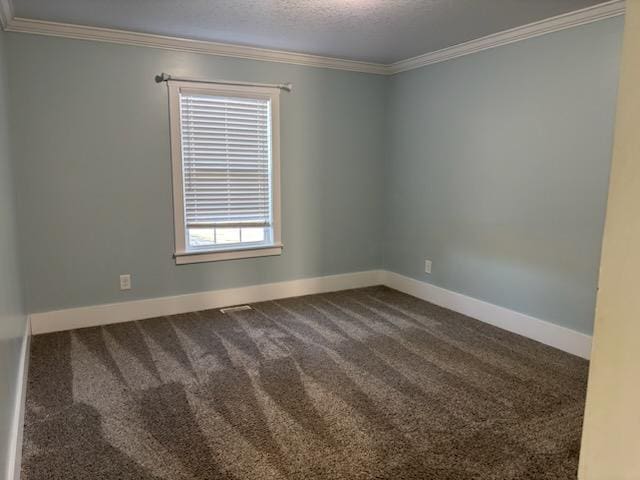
(235, 309)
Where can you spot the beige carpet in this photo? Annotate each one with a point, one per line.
(361, 384)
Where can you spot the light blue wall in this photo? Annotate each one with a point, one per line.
(494, 166)
(497, 171)
(12, 316)
(93, 166)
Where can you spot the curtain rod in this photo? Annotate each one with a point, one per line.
(165, 77)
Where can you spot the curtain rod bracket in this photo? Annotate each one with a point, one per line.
(165, 77)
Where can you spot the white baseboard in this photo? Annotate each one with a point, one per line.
(155, 307)
(544, 332)
(15, 448)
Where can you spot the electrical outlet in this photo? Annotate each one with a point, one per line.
(427, 266)
(125, 282)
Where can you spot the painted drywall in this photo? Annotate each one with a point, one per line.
(497, 170)
(94, 171)
(12, 316)
(494, 166)
(611, 434)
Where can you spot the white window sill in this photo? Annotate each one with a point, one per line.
(233, 253)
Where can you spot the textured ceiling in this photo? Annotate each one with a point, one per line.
(381, 31)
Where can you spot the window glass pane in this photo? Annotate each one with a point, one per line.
(208, 237)
(200, 237)
(227, 235)
(252, 234)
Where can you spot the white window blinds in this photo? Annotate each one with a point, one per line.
(226, 160)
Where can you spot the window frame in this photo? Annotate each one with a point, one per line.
(182, 254)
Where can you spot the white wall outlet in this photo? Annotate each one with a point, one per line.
(125, 282)
(427, 266)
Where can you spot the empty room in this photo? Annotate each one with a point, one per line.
(319, 239)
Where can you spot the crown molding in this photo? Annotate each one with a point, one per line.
(576, 18)
(6, 13)
(591, 14)
(81, 32)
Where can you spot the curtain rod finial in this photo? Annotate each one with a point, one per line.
(163, 77)
(288, 86)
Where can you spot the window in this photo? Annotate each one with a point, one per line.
(226, 184)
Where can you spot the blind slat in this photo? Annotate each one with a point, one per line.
(194, 157)
(211, 99)
(194, 138)
(227, 122)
